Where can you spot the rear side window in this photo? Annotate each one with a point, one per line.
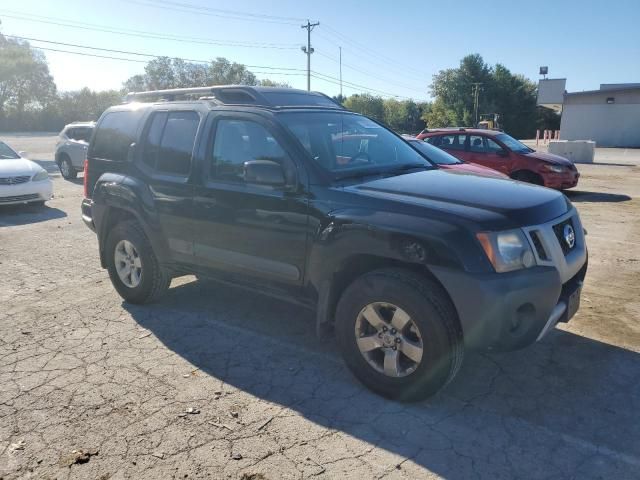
(114, 135)
(452, 142)
(169, 142)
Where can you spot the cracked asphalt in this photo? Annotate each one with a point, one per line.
(214, 382)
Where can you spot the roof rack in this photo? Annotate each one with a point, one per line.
(272, 97)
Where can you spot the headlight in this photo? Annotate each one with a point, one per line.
(554, 168)
(507, 251)
(41, 175)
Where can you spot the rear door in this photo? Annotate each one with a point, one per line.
(166, 160)
(244, 228)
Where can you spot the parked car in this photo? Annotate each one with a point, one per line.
(497, 150)
(448, 162)
(408, 264)
(21, 180)
(71, 149)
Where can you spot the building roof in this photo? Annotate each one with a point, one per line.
(626, 88)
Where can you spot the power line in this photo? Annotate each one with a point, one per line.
(148, 55)
(356, 86)
(204, 11)
(368, 50)
(86, 54)
(392, 82)
(145, 34)
(228, 12)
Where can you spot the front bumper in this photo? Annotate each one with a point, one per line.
(87, 215)
(507, 311)
(26, 192)
(561, 181)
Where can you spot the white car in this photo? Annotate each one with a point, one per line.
(21, 180)
(71, 149)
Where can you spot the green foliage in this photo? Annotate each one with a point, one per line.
(25, 82)
(513, 97)
(164, 72)
(404, 116)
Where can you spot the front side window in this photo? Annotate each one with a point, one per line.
(82, 134)
(476, 144)
(239, 141)
(343, 143)
(493, 147)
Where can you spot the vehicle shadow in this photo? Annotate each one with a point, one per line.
(565, 407)
(49, 165)
(14, 215)
(601, 197)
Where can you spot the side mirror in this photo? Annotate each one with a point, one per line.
(23, 154)
(264, 172)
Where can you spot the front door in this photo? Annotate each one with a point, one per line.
(248, 228)
(77, 145)
(486, 152)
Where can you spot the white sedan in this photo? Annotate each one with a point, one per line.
(21, 180)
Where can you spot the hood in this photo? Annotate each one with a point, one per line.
(18, 167)
(491, 203)
(549, 158)
(474, 169)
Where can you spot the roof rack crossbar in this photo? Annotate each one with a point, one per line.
(169, 93)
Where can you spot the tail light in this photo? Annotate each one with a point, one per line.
(85, 182)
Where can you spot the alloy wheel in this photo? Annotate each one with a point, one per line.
(128, 263)
(388, 339)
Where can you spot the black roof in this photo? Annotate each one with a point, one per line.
(269, 97)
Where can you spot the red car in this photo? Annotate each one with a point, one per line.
(449, 162)
(497, 150)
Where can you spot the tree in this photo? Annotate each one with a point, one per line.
(366, 104)
(271, 83)
(25, 81)
(511, 96)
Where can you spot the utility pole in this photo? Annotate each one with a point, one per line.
(476, 95)
(340, 73)
(308, 50)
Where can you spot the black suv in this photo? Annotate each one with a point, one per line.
(284, 192)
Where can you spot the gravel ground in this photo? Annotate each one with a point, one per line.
(214, 382)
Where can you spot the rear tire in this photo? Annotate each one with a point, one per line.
(432, 326)
(528, 177)
(145, 286)
(66, 168)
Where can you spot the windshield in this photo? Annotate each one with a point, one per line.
(6, 152)
(347, 145)
(513, 144)
(434, 154)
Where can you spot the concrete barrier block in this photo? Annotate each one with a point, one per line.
(578, 151)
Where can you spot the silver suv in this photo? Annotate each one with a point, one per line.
(71, 149)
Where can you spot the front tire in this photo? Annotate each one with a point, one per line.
(399, 334)
(133, 267)
(66, 168)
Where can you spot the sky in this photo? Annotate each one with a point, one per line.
(388, 48)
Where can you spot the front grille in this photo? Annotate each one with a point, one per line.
(14, 180)
(535, 238)
(20, 198)
(559, 232)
